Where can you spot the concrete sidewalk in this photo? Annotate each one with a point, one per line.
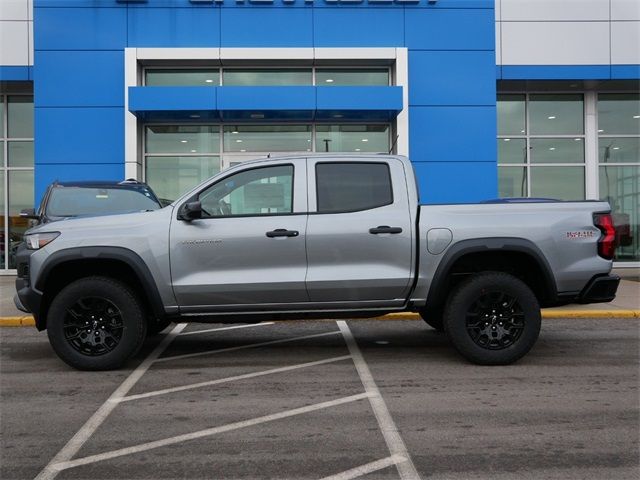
(626, 304)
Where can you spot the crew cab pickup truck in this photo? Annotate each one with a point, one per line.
(314, 237)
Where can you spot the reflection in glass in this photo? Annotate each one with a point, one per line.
(20, 197)
(20, 116)
(619, 113)
(183, 139)
(557, 150)
(620, 186)
(511, 114)
(562, 183)
(267, 76)
(267, 138)
(183, 77)
(512, 181)
(352, 138)
(259, 191)
(556, 114)
(512, 150)
(20, 154)
(618, 150)
(170, 177)
(331, 77)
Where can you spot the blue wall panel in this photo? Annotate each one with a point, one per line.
(79, 79)
(625, 72)
(92, 28)
(452, 78)
(79, 135)
(450, 29)
(452, 134)
(266, 27)
(174, 27)
(172, 98)
(10, 73)
(357, 27)
(456, 182)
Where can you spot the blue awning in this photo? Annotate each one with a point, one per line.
(265, 104)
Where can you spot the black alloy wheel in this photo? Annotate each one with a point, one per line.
(492, 318)
(93, 326)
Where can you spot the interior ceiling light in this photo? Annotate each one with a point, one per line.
(552, 148)
(193, 151)
(600, 131)
(577, 139)
(243, 150)
(616, 148)
(329, 80)
(357, 149)
(507, 139)
(636, 116)
(235, 132)
(551, 117)
(365, 139)
(194, 116)
(257, 115)
(183, 141)
(208, 80)
(238, 141)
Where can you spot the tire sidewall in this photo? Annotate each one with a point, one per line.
(117, 293)
(467, 293)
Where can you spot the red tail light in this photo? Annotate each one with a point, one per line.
(607, 241)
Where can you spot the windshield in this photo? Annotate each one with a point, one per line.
(75, 201)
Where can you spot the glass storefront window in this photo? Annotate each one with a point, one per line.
(557, 150)
(196, 139)
(619, 150)
(512, 182)
(512, 150)
(267, 76)
(3, 240)
(619, 114)
(182, 77)
(329, 77)
(172, 176)
(562, 183)
(556, 114)
(20, 154)
(20, 197)
(620, 186)
(352, 138)
(511, 114)
(20, 116)
(267, 138)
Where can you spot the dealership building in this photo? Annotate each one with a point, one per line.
(488, 98)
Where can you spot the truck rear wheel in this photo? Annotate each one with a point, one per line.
(96, 323)
(492, 318)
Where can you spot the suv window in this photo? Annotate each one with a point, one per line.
(259, 191)
(349, 187)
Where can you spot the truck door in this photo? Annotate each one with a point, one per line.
(248, 249)
(359, 233)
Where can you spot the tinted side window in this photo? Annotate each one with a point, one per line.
(346, 187)
(259, 191)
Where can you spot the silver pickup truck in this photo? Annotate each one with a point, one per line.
(314, 237)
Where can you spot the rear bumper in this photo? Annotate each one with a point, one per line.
(600, 289)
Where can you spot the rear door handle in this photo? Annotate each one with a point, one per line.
(282, 232)
(385, 229)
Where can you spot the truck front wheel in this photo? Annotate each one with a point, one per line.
(492, 318)
(96, 323)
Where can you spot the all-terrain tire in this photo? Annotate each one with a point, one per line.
(96, 323)
(492, 318)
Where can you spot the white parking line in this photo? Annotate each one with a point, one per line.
(367, 468)
(205, 433)
(230, 379)
(406, 468)
(235, 327)
(78, 440)
(242, 347)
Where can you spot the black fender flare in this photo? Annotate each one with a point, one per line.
(437, 290)
(119, 254)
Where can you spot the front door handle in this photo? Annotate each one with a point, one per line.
(282, 232)
(385, 229)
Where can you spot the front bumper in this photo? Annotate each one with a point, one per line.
(600, 289)
(26, 299)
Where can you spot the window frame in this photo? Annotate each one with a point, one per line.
(315, 173)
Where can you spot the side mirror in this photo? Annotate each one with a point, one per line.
(190, 211)
(29, 213)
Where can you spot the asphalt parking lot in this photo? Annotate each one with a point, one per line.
(325, 399)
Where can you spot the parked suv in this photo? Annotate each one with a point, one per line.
(91, 198)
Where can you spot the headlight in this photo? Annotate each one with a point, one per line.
(36, 241)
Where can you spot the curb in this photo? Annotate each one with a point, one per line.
(28, 321)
